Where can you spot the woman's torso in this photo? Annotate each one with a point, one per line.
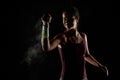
(72, 58)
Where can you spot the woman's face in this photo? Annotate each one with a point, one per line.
(69, 21)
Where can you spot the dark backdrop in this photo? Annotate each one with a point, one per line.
(98, 21)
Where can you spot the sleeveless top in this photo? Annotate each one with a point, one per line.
(72, 59)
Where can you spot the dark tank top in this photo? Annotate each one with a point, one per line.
(73, 63)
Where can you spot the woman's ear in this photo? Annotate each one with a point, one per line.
(77, 18)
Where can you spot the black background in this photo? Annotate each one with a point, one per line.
(98, 21)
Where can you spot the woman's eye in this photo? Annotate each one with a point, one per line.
(65, 19)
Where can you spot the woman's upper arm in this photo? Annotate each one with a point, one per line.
(85, 43)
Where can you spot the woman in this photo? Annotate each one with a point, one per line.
(72, 46)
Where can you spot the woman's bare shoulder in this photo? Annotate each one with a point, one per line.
(83, 34)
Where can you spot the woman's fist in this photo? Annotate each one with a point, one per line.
(46, 18)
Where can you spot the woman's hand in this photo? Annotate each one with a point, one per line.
(104, 68)
(46, 18)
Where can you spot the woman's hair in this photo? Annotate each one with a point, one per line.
(71, 10)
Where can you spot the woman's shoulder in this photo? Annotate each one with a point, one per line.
(83, 34)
